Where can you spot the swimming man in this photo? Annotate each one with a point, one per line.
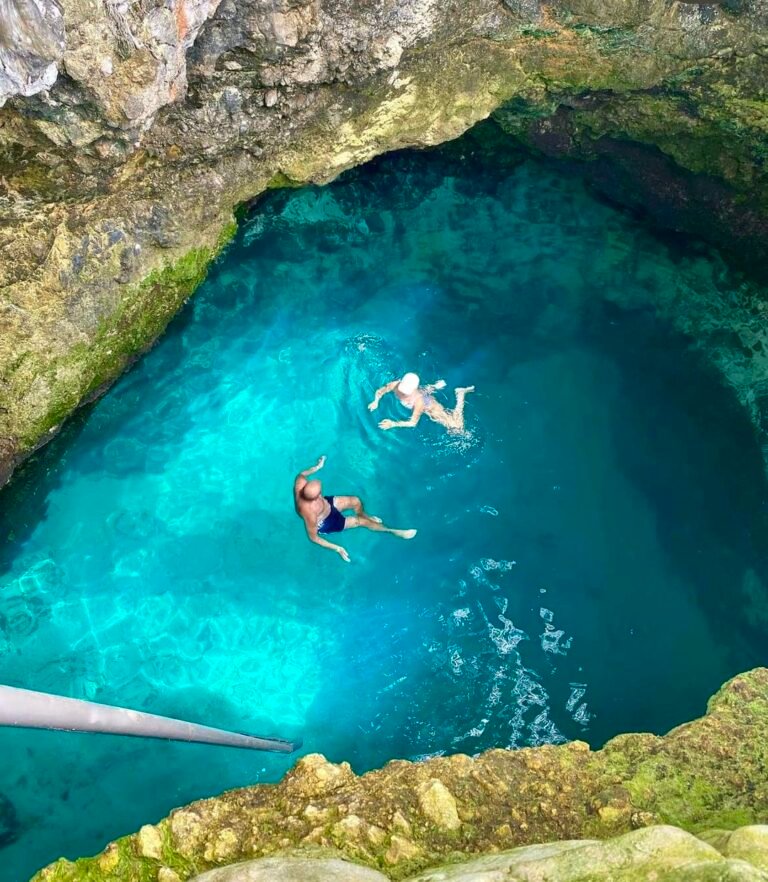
(418, 399)
(323, 514)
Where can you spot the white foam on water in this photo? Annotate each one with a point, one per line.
(423, 757)
(504, 566)
(582, 715)
(553, 640)
(390, 686)
(457, 662)
(577, 693)
(506, 638)
(544, 731)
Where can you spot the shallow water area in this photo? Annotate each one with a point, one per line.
(591, 554)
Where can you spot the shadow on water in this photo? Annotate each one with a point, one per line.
(694, 489)
(24, 501)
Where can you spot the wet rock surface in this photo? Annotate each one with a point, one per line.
(130, 131)
(704, 777)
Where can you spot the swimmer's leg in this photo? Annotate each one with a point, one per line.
(457, 414)
(353, 503)
(364, 520)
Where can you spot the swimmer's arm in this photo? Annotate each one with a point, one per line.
(313, 536)
(310, 471)
(418, 410)
(300, 480)
(381, 392)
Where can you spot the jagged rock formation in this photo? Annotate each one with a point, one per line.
(706, 777)
(132, 128)
(31, 45)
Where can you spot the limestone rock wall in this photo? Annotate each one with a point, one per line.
(707, 777)
(130, 130)
(31, 45)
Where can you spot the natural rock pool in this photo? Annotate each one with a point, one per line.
(591, 557)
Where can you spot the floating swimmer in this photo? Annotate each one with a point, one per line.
(323, 514)
(418, 399)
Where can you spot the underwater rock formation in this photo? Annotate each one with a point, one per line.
(131, 129)
(9, 821)
(706, 777)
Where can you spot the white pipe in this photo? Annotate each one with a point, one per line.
(39, 710)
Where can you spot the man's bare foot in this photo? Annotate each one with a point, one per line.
(405, 534)
(465, 389)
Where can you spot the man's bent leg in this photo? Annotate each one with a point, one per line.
(354, 503)
(364, 520)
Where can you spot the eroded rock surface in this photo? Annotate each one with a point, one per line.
(294, 869)
(31, 46)
(654, 853)
(705, 777)
(133, 127)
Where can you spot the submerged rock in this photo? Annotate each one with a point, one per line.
(708, 776)
(9, 822)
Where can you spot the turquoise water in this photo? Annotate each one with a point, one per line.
(591, 557)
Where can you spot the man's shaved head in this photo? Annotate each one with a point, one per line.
(311, 490)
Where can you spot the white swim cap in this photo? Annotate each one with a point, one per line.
(409, 384)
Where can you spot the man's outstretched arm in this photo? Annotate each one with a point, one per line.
(381, 392)
(313, 536)
(418, 410)
(315, 468)
(301, 478)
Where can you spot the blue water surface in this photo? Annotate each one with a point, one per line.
(591, 556)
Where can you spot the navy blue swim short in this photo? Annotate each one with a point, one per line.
(334, 521)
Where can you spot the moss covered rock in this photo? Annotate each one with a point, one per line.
(705, 775)
(654, 853)
(749, 844)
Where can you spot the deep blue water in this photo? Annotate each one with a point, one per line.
(591, 558)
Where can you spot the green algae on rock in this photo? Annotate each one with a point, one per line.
(46, 396)
(402, 819)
